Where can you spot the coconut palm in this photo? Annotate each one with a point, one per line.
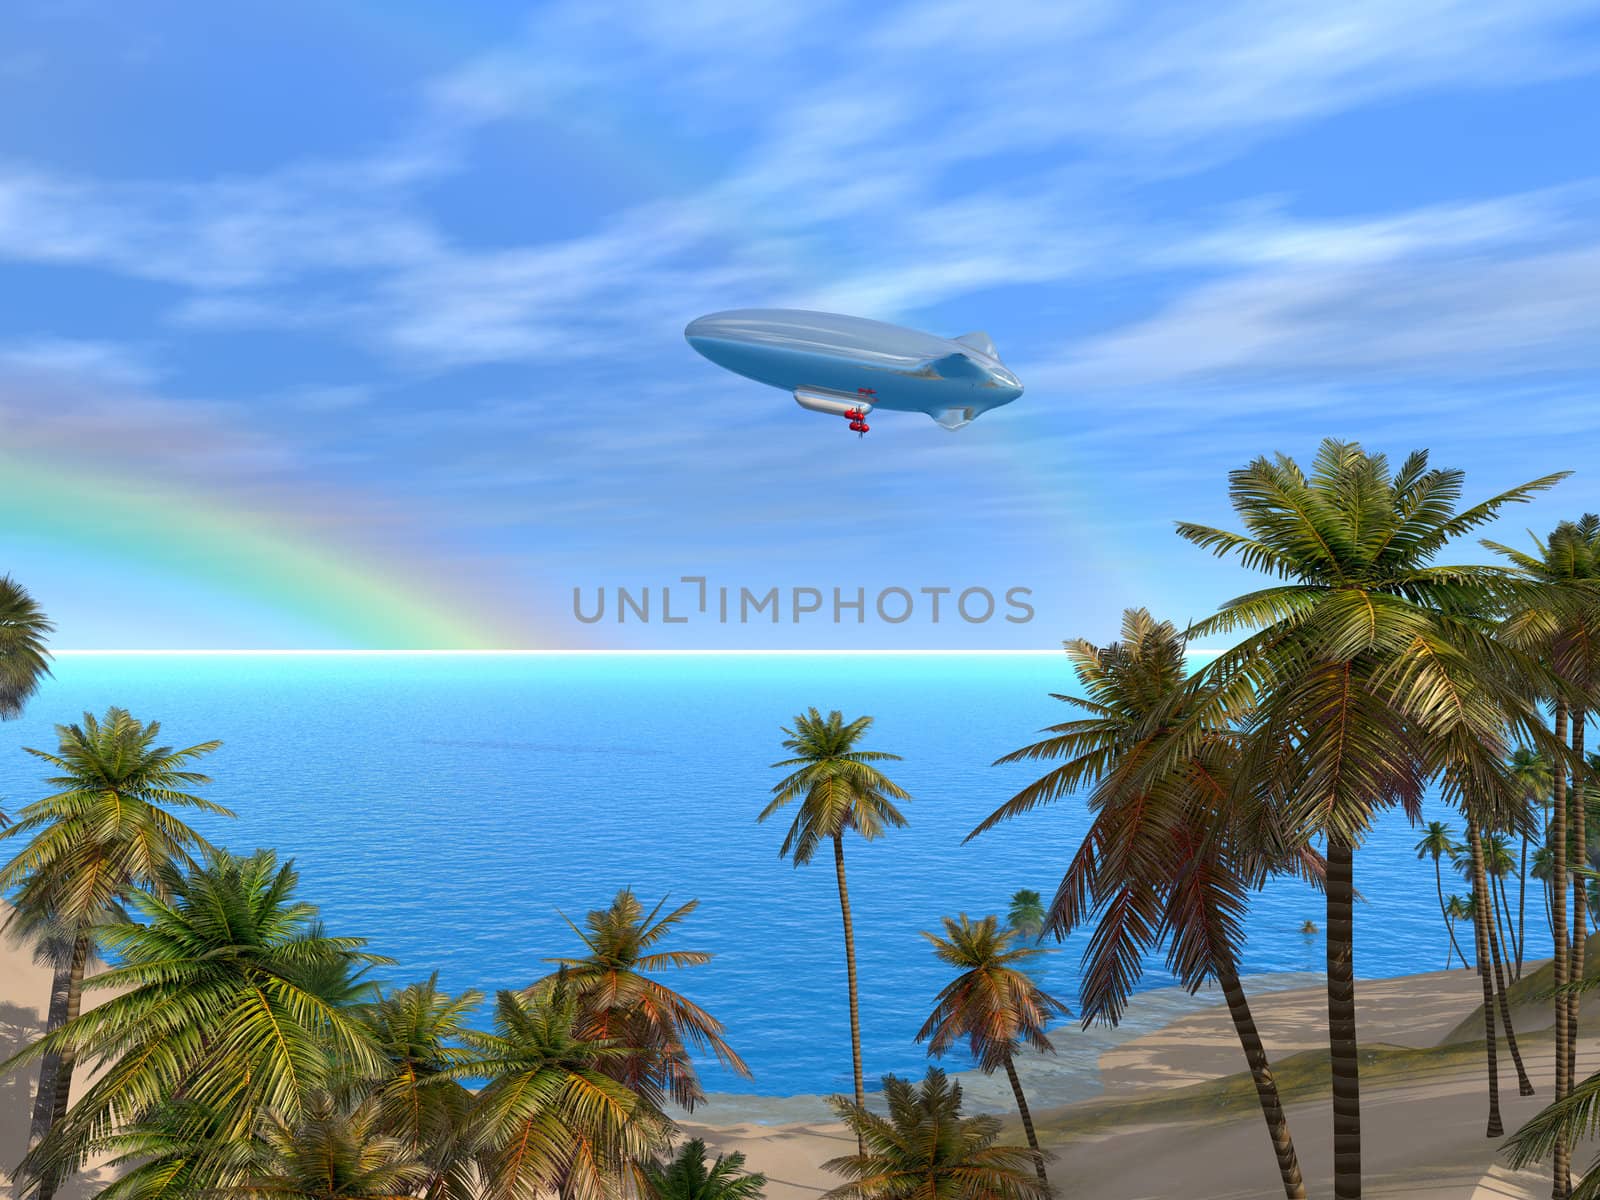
(620, 1000)
(107, 831)
(1535, 775)
(839, 789)
(1561, 622)
(208, 1002)
(416, 1030)
(24, 662)
(333, 1152)
(687, 1177)
(551, 1116)
(1026, 914)
(924, 1149)
(1436, 844)
(992, 1005)
(1167, 859)
(1457, 909)
(1367, 662)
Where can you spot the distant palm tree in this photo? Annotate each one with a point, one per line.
(926, 1150)
(208, 1001)
(992, 1005)
(839, 789)
(1358, 651)
(1559, 622)
(551, 1117)
(24, 661)
(1458, 909)
(620, 1000)
(89, 845)
(686, 1177)
(1533, 772)
(1026, 914)
(1436, 844)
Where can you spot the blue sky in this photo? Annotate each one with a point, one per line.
(407, 282)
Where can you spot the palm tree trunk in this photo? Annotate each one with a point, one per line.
(1479, 880)
(44, 1098)
(1027, 1121)
(1255, 1054)
(1480, 926)
(1580, 886)
(1502, 907)
(850, 974)
(1449, 925)
(1522, 908)
(62, 1084)
(1561, 1169)
(1343, 1051)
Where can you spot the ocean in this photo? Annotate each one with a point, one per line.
(451, 809)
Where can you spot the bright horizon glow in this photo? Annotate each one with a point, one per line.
(558, 653)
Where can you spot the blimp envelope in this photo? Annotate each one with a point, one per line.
(848, 366)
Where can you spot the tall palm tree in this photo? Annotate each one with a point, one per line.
(993, 1005)
(106, 832)
(1366, 660)
(208, 1002)
(687, 1177)
(1561, 621)
(24, 661)
(550, 1116)
(1436, 844)
(1169, 858)
(924, 1149)
(1026, 914)
(1535, 775)
(619, 999)
(839, 789)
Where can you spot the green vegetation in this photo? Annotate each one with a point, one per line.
(924, 1149)
(243, 1049)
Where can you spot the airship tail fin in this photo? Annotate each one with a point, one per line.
(954, 418)
(980, 342)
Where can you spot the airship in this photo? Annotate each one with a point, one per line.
(848, 366)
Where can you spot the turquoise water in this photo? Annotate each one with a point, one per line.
(449, 808)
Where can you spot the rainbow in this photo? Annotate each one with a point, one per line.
(267, 555)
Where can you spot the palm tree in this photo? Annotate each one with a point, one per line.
(619, 1000)
(1367, 662)
(1436, 844)
(551, 1116)
(1167, 859)
(419, 1100)
(106, 832)
(839, 789)
(332, 1152)
(993, 1005)
(1457, 909)
(209, 1003)
(1560, 622)
(24, 662)
(1533, 772)
(926, 1150)
(686, 1177)
(1026, 914)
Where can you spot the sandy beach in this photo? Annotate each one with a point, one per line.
(1165, 1117)
(1172, 1104)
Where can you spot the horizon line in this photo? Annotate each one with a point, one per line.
(354, 653)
